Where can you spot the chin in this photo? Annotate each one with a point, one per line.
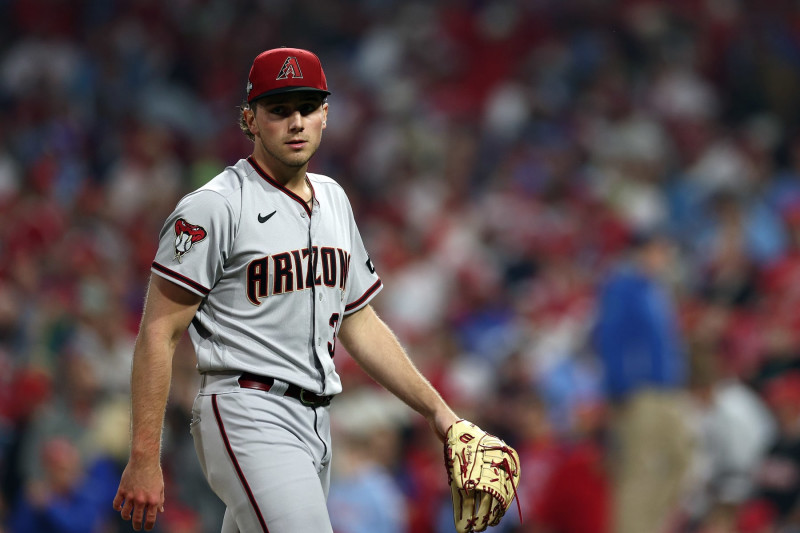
(296, 162)
(299, 158)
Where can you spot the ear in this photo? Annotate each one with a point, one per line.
(250, 119)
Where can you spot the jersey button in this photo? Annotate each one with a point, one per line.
(319, 341)
(302, 214)
(320, 297)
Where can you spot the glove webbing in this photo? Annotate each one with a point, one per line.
(505, 465)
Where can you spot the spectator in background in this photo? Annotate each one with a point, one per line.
(71, 413)
(539, 448)
(562, 470)
(778, 477)
(70, 498)
(728, 265)
(639, 344)
(21, 395)
(579, 477)
(733, 428)
(74, 429)
(364, 497)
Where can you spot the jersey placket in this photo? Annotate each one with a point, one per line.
(315, 339)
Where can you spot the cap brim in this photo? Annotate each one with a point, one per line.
(283, 90)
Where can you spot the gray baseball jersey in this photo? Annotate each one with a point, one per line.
(277, 276)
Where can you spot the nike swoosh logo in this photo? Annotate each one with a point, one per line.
(264, 219)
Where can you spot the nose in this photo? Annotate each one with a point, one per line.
(296, 122)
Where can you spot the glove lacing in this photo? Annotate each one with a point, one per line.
(506, 465)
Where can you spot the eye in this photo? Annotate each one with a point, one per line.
(307, 108)
(278, 110)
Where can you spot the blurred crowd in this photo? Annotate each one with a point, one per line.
(508, 161)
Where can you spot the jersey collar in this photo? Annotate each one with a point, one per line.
(272, 181)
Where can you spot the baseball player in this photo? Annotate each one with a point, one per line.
(266, 268)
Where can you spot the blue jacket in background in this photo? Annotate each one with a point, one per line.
(84, 510)
(637, 336)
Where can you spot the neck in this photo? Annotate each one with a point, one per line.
(289, 177)
(293, 179)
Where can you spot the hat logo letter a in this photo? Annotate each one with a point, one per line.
(290, 69)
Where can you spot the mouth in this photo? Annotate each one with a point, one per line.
(297, 144)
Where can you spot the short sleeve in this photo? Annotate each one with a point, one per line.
(196, 241)
(364, 282)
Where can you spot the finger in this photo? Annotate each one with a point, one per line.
(496, 513)
(118, 499)
(472, 511)
(463, 505)
(483, 506)
(138, 516)
(127, 509)
(150, 519)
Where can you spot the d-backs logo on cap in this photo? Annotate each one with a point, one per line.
(290, 69)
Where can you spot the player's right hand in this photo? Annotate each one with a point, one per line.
(140, 495)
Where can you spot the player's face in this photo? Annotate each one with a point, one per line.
(288, 129)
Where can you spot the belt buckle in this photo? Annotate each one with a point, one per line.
(324, 400)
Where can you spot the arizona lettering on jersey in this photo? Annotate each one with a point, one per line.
(268, 266)
(295, 271)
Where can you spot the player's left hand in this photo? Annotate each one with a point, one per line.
(140, 495)
(483, 473)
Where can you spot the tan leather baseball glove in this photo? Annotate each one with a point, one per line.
(483, 473)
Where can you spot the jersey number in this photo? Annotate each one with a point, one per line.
(334, 321)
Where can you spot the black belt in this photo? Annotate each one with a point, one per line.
(306, 397)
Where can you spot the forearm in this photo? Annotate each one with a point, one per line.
(150, 383)
(378, 352)
(168, 311)
(388, 364)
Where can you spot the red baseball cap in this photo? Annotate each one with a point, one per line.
(283, 70)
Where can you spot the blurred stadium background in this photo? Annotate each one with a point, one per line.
(500, 157)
